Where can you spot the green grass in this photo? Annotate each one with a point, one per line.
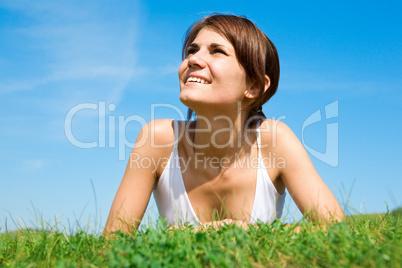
(363, 241)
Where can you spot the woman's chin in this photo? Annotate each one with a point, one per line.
(188, 102)
(187, 99)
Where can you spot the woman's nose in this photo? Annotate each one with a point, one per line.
(197, 59)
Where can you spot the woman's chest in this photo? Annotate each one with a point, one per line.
(227, 194)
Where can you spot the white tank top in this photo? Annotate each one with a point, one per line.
(174, 205)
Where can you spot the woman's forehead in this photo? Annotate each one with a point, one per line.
(210, 35)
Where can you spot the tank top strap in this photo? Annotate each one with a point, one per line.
(257, 130)
(176, 134)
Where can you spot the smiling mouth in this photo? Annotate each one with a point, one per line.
(196, 80)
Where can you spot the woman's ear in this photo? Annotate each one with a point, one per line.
(267, 83)
(253, 91)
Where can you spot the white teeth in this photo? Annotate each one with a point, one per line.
(196, 79)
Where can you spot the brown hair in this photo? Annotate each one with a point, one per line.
(254, 51)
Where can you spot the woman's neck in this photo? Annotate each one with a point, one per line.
(221, 136)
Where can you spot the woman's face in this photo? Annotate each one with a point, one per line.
(210, 75)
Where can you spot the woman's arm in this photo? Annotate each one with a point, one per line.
(308, 190)
(140, 177)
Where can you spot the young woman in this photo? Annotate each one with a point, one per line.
(230, 164)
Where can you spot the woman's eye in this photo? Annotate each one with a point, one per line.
(191, 51)
(220, 51)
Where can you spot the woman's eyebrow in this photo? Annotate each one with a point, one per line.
(214, 45)
(228, 49)
(193, 45)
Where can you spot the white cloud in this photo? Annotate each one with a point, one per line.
(62, 54)
(93, 72)
(77, 43)
(34, 164)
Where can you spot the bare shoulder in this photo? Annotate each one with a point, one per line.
(158, 133)
(275, 132)
(282, 140)
(153, 145)
(277, 137)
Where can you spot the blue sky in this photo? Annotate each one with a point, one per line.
(124, 56)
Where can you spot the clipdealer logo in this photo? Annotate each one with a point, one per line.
(331, 154)
(111, 130)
